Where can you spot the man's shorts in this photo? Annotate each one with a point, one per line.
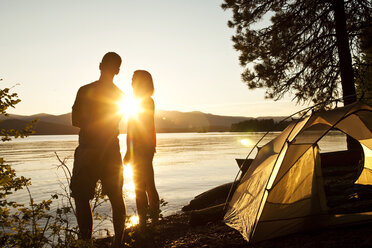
(92, 164)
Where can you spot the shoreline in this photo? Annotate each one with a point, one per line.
(174, 231)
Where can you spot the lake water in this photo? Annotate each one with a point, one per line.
(186, 164)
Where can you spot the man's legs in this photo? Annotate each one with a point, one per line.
(82, 186)
(112, 182)
(84, 217)
(118, 216)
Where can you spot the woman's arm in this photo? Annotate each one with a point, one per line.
(129, 152)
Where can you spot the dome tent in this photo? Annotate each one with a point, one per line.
(282, 191)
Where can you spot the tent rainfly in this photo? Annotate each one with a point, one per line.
(282, 192)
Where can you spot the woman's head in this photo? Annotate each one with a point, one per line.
(142, 84)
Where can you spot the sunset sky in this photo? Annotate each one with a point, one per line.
(51, 48)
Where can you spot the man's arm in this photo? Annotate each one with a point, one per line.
(77, 110)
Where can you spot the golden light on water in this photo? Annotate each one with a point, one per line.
(133, 221)
(128, 173)
(128, 182)
(129, 192)
(246, 142)
(129, 106)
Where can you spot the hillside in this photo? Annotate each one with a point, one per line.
(165, 121)
(41, 127)
(64, 119)
(174, 121)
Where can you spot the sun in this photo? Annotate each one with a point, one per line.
(129, 106)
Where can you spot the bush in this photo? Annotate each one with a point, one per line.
(32, 225)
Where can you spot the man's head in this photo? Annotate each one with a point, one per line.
(110, 63)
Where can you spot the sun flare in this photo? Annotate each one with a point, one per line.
(129, 106)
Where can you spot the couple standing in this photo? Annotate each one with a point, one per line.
(97, 157)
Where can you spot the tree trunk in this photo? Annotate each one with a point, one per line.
(342, 41)
(345, 62)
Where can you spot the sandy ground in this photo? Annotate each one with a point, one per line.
(174, 231)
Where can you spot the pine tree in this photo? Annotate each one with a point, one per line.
(363, 68)
(307, 49)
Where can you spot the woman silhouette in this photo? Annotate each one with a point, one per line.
(141, 143)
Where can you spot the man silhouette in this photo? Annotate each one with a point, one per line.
(97, 157)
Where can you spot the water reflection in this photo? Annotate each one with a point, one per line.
(247, 142)
(128, 186)
(132, 221)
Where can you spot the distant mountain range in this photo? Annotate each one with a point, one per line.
(165, 121)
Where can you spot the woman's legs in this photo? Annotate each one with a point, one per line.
(152, 194)
(140, 190)
(147, 197)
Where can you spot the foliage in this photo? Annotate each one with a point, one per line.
(35, 225)
(256, 125)
(12, 223)
(32, 225)
(298, 51)
(7, 100)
